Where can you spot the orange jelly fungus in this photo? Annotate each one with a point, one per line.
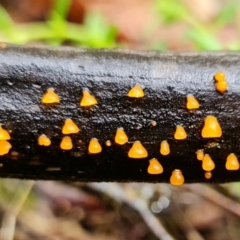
(200, 154)
(4, 135)
(192, 102)
(108, 143)
(43, 140)
(154, 167)
(153, 123)
(232, 162)
(87, 99)
(121, 137)
(212, 128)
(70, 127)
(136, 92)
(164, 148)
(137, 151)
(5, 146)
(220, 76)
(208, 175)
(94, 146)
(180, 133)
(50, 97)
(221, 86)
(177, 177)
(66, 143)
(207, 163)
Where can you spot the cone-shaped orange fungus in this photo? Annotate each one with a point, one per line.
(4, 135)
(177, 177)
(70, 127)
(5, 146)
(164, 148)
(137, 151)
(232, 162)
(87, 99)
(43, 140)
(154, 167)
(94, 146)
(200, 154)
(66, 143)
(121, 137)
(180, 133)
(212, 128)
(207, 163)
(192, 102)
(136, 92)
(50, 97)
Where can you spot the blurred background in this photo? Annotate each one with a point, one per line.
(111, 211)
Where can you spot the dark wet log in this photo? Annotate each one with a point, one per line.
(26, 73)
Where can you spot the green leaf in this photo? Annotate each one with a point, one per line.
(171, 10)
(204, 40)
(6, 22)
(227, 14)
(61, 8)
(98, 33)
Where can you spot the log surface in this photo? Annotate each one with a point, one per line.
(27, 72)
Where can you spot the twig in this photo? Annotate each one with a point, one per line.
(128, 196)
(13, 208)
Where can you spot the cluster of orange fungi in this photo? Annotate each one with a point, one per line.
(211, 129)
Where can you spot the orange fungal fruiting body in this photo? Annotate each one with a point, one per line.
(192, 102)
(50, 97)
(136, 92)
(177, 178)
(66, 143)
(70, 127)
(5, 146)
(121, 137)
(43, 140)
(164, 148)
(4, 135)
(94, 146)
(137, 151)
(200, 154)
(180, 133)
(108, 143)
(222, 86)
(232, 162)
(212, 128)
(87, 99)
(208, 175)
(154, 167)
(153, 123)
(220, 76)
(207, 163)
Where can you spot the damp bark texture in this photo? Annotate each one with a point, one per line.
(27, 72)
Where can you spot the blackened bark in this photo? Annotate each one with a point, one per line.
(167, 78)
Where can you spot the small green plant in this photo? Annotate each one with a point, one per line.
(203, 36)
(94, 32)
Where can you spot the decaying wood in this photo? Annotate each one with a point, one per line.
(26, 73)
